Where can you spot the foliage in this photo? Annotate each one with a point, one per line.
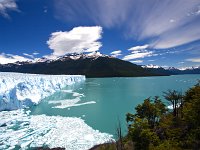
(155, 127)
(175, 98)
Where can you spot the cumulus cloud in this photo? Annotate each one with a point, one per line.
(78, 40)
(9, 58)
(170, 23)
(6, 6)
(116, 53)
(196, 60)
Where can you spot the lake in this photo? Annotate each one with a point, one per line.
(105, 101)
(84, 114)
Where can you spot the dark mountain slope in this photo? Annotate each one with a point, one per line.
(102, 66)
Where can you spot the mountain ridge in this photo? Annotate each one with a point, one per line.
(92, 65)
(96, 65)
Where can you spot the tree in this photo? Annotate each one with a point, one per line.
(119, 143)
(191, 108)
(143, 123)
(175, 98)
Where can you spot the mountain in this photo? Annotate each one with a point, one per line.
(172, 70)
(188, 70)
(96, 65)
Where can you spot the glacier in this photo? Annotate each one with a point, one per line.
(19, 90)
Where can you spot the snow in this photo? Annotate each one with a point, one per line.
(151, 66)
(189, 68)
(19, 90)
(18, 129)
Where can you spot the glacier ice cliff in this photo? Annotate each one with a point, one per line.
(18, 90)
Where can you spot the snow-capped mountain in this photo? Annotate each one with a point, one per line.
(73, 56)
(151, 66)
(172, 70)
(91, 65)
(189, 68)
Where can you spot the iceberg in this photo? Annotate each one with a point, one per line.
(18, 90)
(19, 130)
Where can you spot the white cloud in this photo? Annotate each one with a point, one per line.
(106, 13)
(181, 62)
(7, 5)
(139, 52)
(138, 55)
(137, 61)
(78, 40)
(172, 20)
(170, 23)
(152, 60)
(116, 53)
(197, 60)
(35, 53)
(178, 37)
(28, 55)
(137, 48)
(151, 23)
(9, 58)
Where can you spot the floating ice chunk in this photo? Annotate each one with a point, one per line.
(69, 103)
(75, 94)
(53, 131)
(19, 90)
(67, 91)
(65, 103)
(86, 103)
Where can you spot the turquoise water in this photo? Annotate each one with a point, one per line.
(101, 102)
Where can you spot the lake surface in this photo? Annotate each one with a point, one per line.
(84, 114)
(102, 102)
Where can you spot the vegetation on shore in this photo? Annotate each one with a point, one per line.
(154, 127)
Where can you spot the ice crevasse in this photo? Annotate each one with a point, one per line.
(18, 90)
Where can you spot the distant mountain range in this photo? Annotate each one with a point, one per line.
(172, 70)
(91, 65)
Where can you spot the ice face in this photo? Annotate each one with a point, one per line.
(19, 90)
(18, 129)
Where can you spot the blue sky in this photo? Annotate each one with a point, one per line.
(164, 33)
